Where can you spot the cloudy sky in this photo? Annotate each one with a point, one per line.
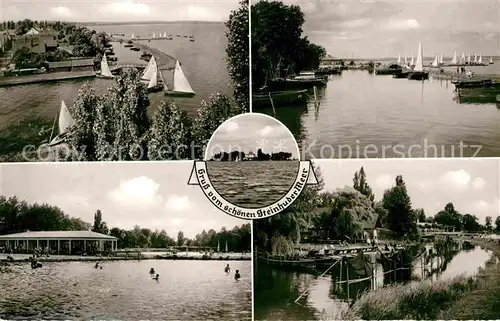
(472, 185)
(155, 196)
(374, 29)
(119, 10)
(249, 132)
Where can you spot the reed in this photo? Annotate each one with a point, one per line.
(418, 301)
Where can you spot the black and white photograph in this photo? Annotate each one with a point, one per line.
(384, 240)
(115, 80)
(118, 241)
(380, 79)
(252, 160)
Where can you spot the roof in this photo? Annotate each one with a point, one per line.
(83, 235)
(370, 225)
(50, 42)
(32, 31)
(83, 62)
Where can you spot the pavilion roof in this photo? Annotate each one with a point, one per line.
(43, 235)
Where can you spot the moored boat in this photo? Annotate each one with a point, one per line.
(279, 98)
(418, 72)
(105, 71)
(303, 80)
(389, 69)
(181, 86)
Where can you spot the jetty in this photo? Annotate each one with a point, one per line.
(45, 77)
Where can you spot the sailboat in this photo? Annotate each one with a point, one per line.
(411, 61)
(480, 59)
(105, 72)
(454, 60)
(154, 35)
(435, 63)
(475, 59)
(468, 59)
(491, 60)
(462, 59)
(418, 72)
(132, 36)
(181, 85)
(441, 58)
(65, 121)
(399, 59)
(406, 59)
(150, 76)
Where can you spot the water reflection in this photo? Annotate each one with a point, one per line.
(326, 297)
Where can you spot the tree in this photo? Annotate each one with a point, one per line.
(84, 112)
(420, 214)
(449, 218)
(99, 225)
(170, 134)
(237, 51)
(497, 224)
(488, 226)
(210, 116)
(122, 121)
(360, 184)
(180, 238)
(400, 216)
(470, 223)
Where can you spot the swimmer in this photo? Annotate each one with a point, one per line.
(156, 277)
(227, 269)
(96, 265)
(152, 271)
(237, 276)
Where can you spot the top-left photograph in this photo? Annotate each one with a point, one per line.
(119, 80)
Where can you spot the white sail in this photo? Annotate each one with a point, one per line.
(454, 60)
(480, 60)
(475, 58)
(462, 58)
(154, 35)
(411, 61)
(105, 68)
(399, 58)
(165, 34)
(491, 60)
(148, 72)
(441, 58)
(406, 59)
(435, 62)
(181, 84)
(132, 36)
(65, 119)
(419, 63)
(468, 59)
(153, 82)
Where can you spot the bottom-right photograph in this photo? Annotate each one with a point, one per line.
(384, 239)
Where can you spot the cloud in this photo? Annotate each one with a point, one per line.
(458, 178)
(384, 181)
(266, 131)
(139, 191)
(402, 24)
(127, 7)
(357, 23)
(61, 12)
(231, 126)
(196, 12)
(178, 203)
(478, 183)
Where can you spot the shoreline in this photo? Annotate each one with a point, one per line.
(59, 259)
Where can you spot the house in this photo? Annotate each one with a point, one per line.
(72, 65)
(250, 156)
(371, 229)
(330, 61)
(36, 41)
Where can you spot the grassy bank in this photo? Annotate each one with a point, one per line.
(456, 298)
(483, 303)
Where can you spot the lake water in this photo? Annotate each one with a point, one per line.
(252, 184)
(362, 115)
(203, 63)
(324, 299)
(186, 290)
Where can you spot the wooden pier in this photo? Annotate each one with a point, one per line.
(45, 77)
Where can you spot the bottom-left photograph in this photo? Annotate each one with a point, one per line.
(118, 240)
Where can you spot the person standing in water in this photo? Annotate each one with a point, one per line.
(227, 269)
(152, 271)
(237, 276)
(156, 277)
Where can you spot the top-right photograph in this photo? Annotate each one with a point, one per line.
(380, 79)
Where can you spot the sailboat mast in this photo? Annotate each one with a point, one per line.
(53, 126)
